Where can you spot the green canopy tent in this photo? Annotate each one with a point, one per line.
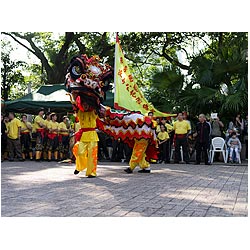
(51, 97)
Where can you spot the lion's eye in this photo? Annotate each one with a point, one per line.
(76, 70)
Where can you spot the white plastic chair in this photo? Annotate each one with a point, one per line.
(218, 145)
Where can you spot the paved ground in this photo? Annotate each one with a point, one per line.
(172, 190)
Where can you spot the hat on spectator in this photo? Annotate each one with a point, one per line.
(41, 109)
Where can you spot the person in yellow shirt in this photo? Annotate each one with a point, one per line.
(64, 138)
(13, 137)
(181, 129)
(53, 140)
(169, 127)
(86, 146)
(158, 127)
(163, 139)
(170, 131)
(25, 138)
(46, 131)
(39, 130)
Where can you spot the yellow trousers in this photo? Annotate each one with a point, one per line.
(138, 154)
(86, 156)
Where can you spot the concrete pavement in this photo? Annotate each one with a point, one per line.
(50, 189)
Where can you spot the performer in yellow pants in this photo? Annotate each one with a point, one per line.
(86, 157)
(138, 157)
(86, 148)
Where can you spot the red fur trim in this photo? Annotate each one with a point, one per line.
(79, 104)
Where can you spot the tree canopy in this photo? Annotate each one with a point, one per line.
(200, 72)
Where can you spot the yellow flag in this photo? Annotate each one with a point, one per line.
(127, 93)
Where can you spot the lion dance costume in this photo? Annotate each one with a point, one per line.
(87, 81)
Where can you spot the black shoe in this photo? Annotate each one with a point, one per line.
(176, 162)
(76, 172)
(128, 170)
(11, 159)
(187, 162)
(91, 176)
(21, 159)
(208, 163)
(167, 162)
(144, 171)
(197, 163)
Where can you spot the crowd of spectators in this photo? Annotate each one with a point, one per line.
(47, 139)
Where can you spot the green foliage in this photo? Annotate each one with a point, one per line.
(12, 79)
(55, 50)
(36, 77)
(223, 63)
(166, 85)
(212, 78)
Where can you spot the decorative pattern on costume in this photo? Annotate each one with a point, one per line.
(132, 119)
(130, 126)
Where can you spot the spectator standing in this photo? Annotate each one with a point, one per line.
(53, 142)
(39, 130)
(118, 150)
(13, 140)
(158, 127)
(239, 124)
(217, 127)
(128, 152)
(26, 128)
(234, 146)
(181, 128)
(169, 127)
(45, 140)
(102, 145)
(239, 121)
(163, 139)
(185, 118)
(202, 135)
(170, 131)
(64, 130)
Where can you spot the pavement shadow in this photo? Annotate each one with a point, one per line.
(169, 191)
